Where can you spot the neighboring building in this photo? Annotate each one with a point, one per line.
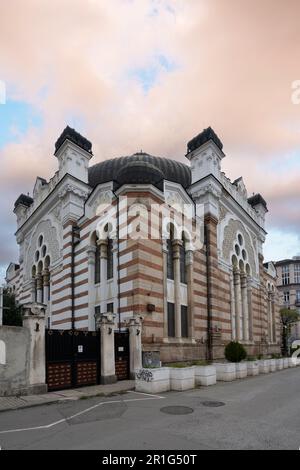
(193, 300)
(12, 278)
(288, 285)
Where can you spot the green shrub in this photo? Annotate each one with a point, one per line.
(178, 365)
(235, 352)
(251, 358)
(198, 362)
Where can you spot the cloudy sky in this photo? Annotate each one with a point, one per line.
(151, 74)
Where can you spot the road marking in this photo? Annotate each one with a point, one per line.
(148, 394)
(51, 425)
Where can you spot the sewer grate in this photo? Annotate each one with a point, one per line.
(213, 404)
(177, 410)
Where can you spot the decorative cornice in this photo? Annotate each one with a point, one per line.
(69, 188)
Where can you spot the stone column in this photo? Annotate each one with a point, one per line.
(232, 309)
(91, 276)
(238, 302)
(107, 325)
(189, 259)
(33, 289)
(39, 288)
(46, 285)
(34, 320)
(244, 292)
(250, 315)
(103, 259)
(177, 297)
(165, 288)
(135, 345)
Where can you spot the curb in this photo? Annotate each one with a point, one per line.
(66, 399)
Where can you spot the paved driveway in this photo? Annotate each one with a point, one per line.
(255, 413)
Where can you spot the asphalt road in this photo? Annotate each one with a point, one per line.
(256, 413)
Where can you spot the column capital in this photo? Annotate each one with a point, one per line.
(176, 246)
(244, 280)
(91, 250)
(107, 319)
(46, 277)
(39, 281)
(102, 241)
(103, 247)
(134, 322)
(177, 242)
(189, 257)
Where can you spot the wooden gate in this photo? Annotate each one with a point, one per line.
(72, 358)
(122, 355)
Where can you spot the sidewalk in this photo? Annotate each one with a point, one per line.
(14, 403)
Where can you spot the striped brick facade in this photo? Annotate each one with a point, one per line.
(225, 295)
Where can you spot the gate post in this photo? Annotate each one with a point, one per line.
(135, 344)
(107, 325)
(34, 320)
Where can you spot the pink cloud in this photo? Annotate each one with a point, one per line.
(235, 60)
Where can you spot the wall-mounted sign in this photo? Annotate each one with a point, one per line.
(80, 348)
(121, 348)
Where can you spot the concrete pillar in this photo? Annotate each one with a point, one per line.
(238, 302)
(135, 345)
(91, 250)
(250, 313)
(165, 288)
(39, 288)
(177, 297)
(232, 309)
(244, 292)
(189, 259)
(34, 320)
(107, 325)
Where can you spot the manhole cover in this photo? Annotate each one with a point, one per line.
(177, 410)
(213, 403)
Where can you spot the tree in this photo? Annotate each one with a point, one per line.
(288, 317)
(11, 311)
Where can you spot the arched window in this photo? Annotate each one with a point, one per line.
(170, 255)
(40, 284)
(241, 293)
(97, 263)
(182, 262)
(110, 259)
(33, 274)
(47, 277)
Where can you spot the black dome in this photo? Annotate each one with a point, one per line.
(140, 168)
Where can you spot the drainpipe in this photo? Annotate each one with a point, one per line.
(209, 299)
(118, 258)
(75, 240)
